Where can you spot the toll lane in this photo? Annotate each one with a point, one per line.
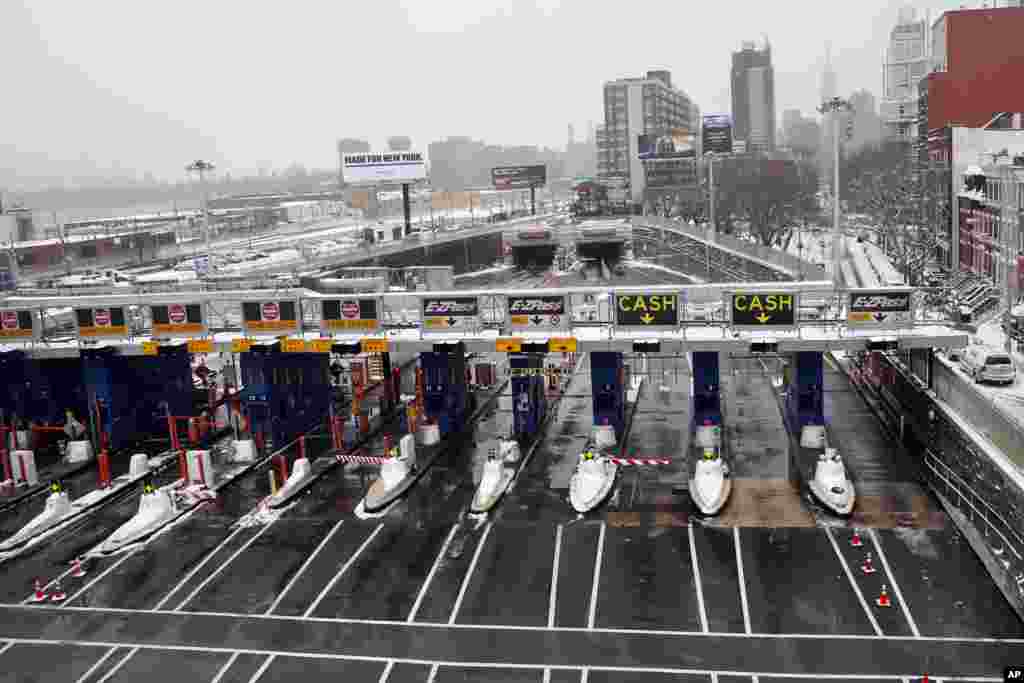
(321, 670)
(576, 568)
(719, 578)
(150, 664)
(541, 492)
(408, 673)
(946, 587)
(58, 663)
(647, 580)
(512, 580)
(887, 481)
(764, 492)
(795, 584)
(655, 494)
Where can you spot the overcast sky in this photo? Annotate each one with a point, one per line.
(151, 85)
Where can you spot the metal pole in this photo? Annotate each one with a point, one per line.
(1008, 255)
(836, 235)
(711, 213)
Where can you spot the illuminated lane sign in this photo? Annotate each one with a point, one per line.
(879, 308)
(342, 315)
(459, 313)
(15, 325)
(269, 317)
(539, 313)
(764, 309)
(647, 310)
(173, 320)
(101, 322)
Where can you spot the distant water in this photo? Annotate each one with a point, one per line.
(69, 215)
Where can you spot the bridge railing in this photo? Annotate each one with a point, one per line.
(772, 257)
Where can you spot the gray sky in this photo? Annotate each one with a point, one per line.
(152, 85)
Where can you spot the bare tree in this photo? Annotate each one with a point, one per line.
(769, 193)
(881, 183)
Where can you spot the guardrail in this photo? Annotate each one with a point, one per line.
(957, 488)
(769, 256)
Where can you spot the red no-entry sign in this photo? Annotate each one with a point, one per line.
(271, 311)
(176, 313)
(101, 316)
(10, 320)
(350, 309)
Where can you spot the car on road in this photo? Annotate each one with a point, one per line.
(986, 363)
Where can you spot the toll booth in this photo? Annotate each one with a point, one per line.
(129, 397)
(40, 390)
(529, 406)
(284, 394)
(445, 395)
(804, 398)
(607, 377)
(707, 402)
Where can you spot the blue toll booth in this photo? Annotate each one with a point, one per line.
(128, 398)
(284, 394)
(445, 395)
(607, 381)
(805, 398)
(707, 402)
(529, 404)
(40, 390)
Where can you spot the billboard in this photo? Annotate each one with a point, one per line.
(519, 177)
(678, 144)
(717, 133)
(390, 167)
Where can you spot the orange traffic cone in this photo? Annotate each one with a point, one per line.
(76, 568)
(867, 567)
(855, 541)
(40, 592)
(883, 598)
(58, 593)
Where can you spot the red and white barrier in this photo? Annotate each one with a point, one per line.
(641, 461)
(362, 459)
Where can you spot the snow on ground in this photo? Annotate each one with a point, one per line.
(655, 266)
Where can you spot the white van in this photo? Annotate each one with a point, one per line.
(985, 363)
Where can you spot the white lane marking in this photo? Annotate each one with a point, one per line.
(195, 570)
(742, 580)
(263, 667)
(430, 576)
(99, 577)
(469, 573)
(99, 662)
(696, 579)
(597, 578)
(117, 667)
(330, 584)
(216, 572)
(386, 672)
(892, 582)
(241, 616)
(853, 583)
(304, 567)
(592, 616)
(341, 572)
(553, 600)
(482, 665)
(224, 669)
(422, 594)
(462, 589)
(205, 582)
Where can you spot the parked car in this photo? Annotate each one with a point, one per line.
(985, 363)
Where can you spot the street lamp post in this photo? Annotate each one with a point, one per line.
(202, 167)
(833, 107)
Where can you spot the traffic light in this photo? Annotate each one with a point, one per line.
(849, 130)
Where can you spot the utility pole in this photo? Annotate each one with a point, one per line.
(833, 107)
(202, 168)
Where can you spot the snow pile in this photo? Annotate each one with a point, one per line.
(262, 515)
